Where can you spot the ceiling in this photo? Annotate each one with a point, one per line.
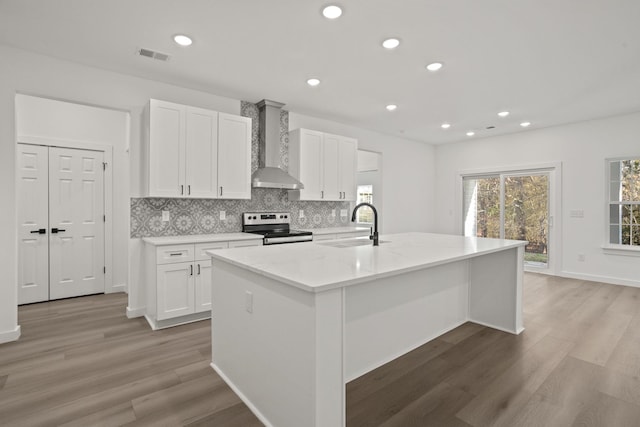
(548, 62)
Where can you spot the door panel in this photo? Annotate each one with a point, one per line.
(167, 149)
(234, 154)
(175, 290)
(203, 286)
(32, 199)
(330, 166)
(76, 209)
(202, 153)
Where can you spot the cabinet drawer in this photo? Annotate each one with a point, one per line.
(174, 253)
(201, 248)
(243, 243)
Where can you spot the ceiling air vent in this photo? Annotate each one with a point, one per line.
(153, 54)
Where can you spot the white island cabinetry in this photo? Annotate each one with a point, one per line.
(178, 274)
(292, 324)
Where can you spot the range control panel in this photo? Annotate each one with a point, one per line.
(264, 218)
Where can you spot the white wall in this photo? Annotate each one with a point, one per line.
(408, 173)
(582, 148)
(24, 72)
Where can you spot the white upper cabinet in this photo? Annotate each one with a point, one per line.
(167, 148)
(305, 152)
(347, 168)
(196, 153)
(324, 163)
(234, 152)
(201, 153)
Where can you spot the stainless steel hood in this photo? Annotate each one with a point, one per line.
(269, 173)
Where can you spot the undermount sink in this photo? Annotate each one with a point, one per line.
(350, 243)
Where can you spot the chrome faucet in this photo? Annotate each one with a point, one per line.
(374, 234)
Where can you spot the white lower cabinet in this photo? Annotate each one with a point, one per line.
(179, 281)
(175, 284)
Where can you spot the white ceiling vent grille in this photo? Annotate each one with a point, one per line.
(153, 54)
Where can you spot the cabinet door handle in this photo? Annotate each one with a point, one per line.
(322, 194)
(191, 269)
(182, 189)
(189, 189)
(39, 231)
(220, 191)
(175, 254)
(198, 269)
(57, 230)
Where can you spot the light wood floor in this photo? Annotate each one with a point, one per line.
(81, 362)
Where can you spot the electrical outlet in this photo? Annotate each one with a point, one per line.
(301, 213)
(333, 212)
(248, 301)
(581, 257)
(165, 216)
(343, 212)
(223, 215)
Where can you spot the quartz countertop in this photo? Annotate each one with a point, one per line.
(320, 266)
(335, 230)
(200, 238)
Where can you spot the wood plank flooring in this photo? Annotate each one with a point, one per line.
(81, 362)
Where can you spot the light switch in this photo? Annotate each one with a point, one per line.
(223, 215)
(343, 212)
(248, 301)
(333, 212)
(301, 213)
(165, 216)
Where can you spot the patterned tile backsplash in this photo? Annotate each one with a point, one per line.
(202, 216)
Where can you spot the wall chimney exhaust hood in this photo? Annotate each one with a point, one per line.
(269, 173)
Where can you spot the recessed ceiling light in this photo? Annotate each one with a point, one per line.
(434, 66)
(525, 124)
(391, 43)
(182, 40)
(471, 133)
(313, 82)
(391, 107)
(332, 12)
(503, 113)
(445, 126)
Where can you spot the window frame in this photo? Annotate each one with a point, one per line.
(608, 247)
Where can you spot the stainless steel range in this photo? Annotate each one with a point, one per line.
(274, 226)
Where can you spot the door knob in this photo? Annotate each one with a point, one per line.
(57, 230)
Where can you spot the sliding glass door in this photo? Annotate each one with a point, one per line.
(510, 206)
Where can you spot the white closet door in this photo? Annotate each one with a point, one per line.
(33, 223)
(76, 222)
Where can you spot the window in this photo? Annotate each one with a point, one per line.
(365, 214)
(624, 202)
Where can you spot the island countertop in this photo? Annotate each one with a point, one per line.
(317, 267)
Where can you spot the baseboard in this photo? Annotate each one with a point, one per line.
(177, 321)
(242, 397)
(10, 336)
(117, 288)
(136, 312)
(603, 279)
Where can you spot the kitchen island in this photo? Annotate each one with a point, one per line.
(292, 324)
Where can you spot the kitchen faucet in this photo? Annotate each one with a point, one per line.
(374, 234)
